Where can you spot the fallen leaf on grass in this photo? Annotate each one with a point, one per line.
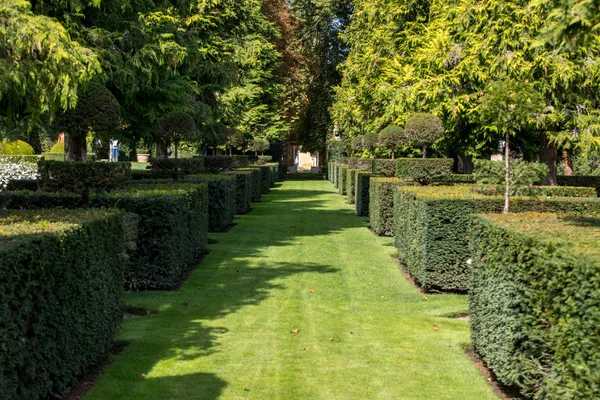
(426, 298)
(307, 348)
(312, 290)
(295, 330)
(435, 327)
(330, 339)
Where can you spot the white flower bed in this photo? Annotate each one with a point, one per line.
(12, 170)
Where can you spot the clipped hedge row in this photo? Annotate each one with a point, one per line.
(535, 303)
(81, 177)
(361, 164)
(423, 170)
(431, 226)
(265, 178)
(580, 181)
(343, 172)
(384, 167)
(381, 204)
(60, 297)
(255, 183)
(243, 190)
(177, 168)
(172, 232)
(361, 198)
(351, 185)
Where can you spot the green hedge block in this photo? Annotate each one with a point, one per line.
(567, 191)
(423, 170)
(451, 179)
(431, 227)
(336, 175)
(177, 168)
(60, 297)
(384, 167)
(33, 159)
(80, 177)
(351, 185)
(361, 198)
(265, 178)
(255, 183)
(535, 303)
(581, 181)
(172, 232)
(22, 184)
(142, 174)
(361, 164)
(243, 191)
(343, 171)
(381, 204)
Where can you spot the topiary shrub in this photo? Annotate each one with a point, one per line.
(577, 180)
(351, 185)
(173, 128)
(361, 164)
(259, 146)
(57, 148)
(361, 198)
(16, 148)
(255, 183)
(534, 303)
(423, 170)
(384, 167)
(176, 168)
(381, 204)
(60, 297)
(392, 138)
(423, 129)
(243, 191)
(343, 171)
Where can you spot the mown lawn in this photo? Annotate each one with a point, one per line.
(300, 260)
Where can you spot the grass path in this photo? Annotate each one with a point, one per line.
(226, 333)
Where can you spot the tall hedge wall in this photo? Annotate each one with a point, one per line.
(361, 198)
(243, 191)
(336, 175)
(172, 232)
(177, 168)
(381, 205)
(351, 185)
(384, 167)
(343, 171)
(361, 164)
(423, 170)
(60, 297)
(431, 225)
(265, 178)
(255, 183)
(535, 303)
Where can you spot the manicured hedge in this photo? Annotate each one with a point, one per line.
(361, 198)
(255, 183)
(384, 167)
(176, 168)
(140, 174)
(361, 164)
(381, 205)
(535, 303)
(80, 177)
(60, 297)
(22, 184)
(20, 159)
(431, 225)
(343, 172)
(451, 179)
(265, 178)
(274, 173)
(336, 175)
(243, 191)
(351, 185)
(423, 170)
(172, 231)
(217, 164)
(586, 181)
(330, 165)
(567, 191)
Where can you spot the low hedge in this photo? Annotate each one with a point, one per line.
(81, 177)
(343, 172)
(60, 297)
(549, 191)
(384, 167)
(255, 183)
(535, 303)
(585, 181)
(177, 168)
(172, 232)
(381, 204)
(22, 184)
(431, 225)
(243, 191)
(361, 164)
(274, 172)
(351, 185)
(361, 198)
(451, 179)
(20, 159)
(217, 164)
(423, 170)
(142, 174)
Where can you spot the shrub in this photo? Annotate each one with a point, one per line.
(58, 148)
(217, 164)
(16, 148)
(172, 228)
(243, 191)
(343, 171)
(351, 185)
(175, 127)
(361, 164)
(361, 198)
(274, 172)
(423, 129)
(523, 175)
(22, 184)
(12, 168)
(384, 167)
(431, 225)
(381, 205)
(423, 170)
(566, 191)
(392, 138)
(137, 174)
(534, 303)
(255, 183)
(587, 181)
(451, 179)
(60, 297)
(265, 178)
(240, 161)
(177, 168)
(259, 145)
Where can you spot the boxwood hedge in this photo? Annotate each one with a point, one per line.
(586, 181)
(177, 168)
(381, 204)
(361, 164)
(81, 177)
(265, 178)
(351, 185)
(172, 232)
(243, 191)
(384, 167)
(255, 183)
(343, 172)
(535, 303)
(431, 227)
(423, 170)
(60, 297)
(361, 198)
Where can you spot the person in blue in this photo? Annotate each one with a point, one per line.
(114, 150)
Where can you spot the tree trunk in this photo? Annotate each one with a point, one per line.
(75, 147)
(176, 152)
(548, 156)
(507, 172)
(161, 150)
(568, 161)
(468, 165)
(424, 151)
(393, 155)
(214, 151)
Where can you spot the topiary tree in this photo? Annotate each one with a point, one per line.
(98, 110)
(16, 148)
(235, 139)
(173, 128)
(214, 135)
(259, 145)
(392, 138)
(357, 143)
(423, 129)
(369, 142)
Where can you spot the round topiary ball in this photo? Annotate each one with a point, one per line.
(16, 148)
(58, 148)
(392, 138)
(423, 129)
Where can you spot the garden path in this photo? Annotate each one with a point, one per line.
(300, 262)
